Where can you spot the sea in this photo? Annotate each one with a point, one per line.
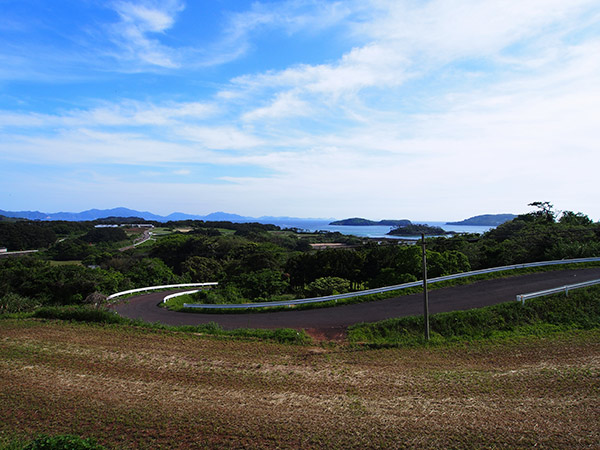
(375, 231)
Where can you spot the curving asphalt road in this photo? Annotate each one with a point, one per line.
(332, 322)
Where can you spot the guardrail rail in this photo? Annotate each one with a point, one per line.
(388, 288)
(154, 288)
(522, 297)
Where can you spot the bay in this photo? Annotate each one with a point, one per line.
(375, 231)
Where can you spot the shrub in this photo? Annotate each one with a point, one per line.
(15, 303)
(327, 286)
(78, 313)
(63, 442)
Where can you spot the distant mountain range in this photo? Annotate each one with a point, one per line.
(94, 214)
(491, 220)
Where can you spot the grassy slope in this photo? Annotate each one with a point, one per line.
(144, 388)
(580, 310)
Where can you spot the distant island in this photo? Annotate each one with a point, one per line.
(360, 222)
(485, 220)
(415, 229)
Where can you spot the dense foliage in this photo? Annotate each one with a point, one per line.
(25, 235)
(416, 229)
(262, 262)
(537, 236)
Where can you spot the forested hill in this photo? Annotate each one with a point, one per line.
(418, 229)
(359, 221)
(491, 220)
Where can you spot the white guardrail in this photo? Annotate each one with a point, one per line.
(154, 288)
(522, 297)
(384, 289)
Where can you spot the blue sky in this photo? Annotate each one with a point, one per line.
(434, 110)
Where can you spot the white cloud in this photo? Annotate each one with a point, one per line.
(126, 113)
(219, 138)
(448, 29)
(85, 146)
(373, 65)
(139, 21)
(130, 113)
(284, 106)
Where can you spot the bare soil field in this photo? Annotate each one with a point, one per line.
(141, 388)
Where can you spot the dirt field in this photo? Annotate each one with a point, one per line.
(135, 388)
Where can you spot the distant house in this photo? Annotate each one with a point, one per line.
(3, 249)
(128, 225)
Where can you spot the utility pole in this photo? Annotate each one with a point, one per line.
(425, 293)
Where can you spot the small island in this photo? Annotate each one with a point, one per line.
(485, 220)
(360, 222)
(415, 229)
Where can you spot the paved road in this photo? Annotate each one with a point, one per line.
(146, 235)
(332, 322)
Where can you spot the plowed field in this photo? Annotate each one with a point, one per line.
(139, 388)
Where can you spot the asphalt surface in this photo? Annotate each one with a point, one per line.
(332, 322)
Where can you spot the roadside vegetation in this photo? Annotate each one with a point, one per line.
(87, 314)
(539, 316)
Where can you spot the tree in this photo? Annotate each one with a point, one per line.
(327, 286)
(571, 218)
(151, 272)
(544, 211)
(112, 234)
(25, 235)
(200, 269)
(261, 284)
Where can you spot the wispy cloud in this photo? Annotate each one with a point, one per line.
(289, 17)
(139, 22)
(126, 113)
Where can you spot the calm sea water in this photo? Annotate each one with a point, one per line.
(374, 231)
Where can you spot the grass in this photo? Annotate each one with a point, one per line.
(161, 231)
(129, 387)
(75, 262)
(59, 442)
(101, 316)
(539, 316)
